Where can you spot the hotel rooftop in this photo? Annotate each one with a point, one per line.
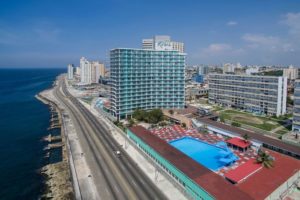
(248, 180)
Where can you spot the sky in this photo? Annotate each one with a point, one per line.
(53, 33)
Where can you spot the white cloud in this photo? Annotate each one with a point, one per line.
(231, 23)
(261, 39)
(267, 43)
(217, 48)
(292, 20)
(218, 53)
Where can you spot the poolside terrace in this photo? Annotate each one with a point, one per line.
(176, 131)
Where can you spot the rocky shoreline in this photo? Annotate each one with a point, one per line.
(58, 183)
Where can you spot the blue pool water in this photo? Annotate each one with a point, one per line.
(211, 156)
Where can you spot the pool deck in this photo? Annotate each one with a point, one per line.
(176, 132)
(284, 166)
(205, 178)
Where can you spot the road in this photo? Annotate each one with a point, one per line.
(115, 177)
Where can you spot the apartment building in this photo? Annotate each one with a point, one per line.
(291, 72)
(90, 71)
(146, 79)
(70, 71)
(296, 113)
(257, 94)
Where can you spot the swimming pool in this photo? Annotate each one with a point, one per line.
(211, 156)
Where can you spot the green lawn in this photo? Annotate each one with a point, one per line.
(264, 123)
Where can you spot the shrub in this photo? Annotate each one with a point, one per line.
(236, 124)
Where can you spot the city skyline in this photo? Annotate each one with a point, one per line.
(44, 34)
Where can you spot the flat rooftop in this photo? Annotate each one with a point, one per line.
(270, 179)
(206, 179)
(248, 176)
(253, 135)
(243, 171)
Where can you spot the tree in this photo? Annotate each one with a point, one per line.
(246, 138)
(222, 118)
(265, 159)
(130, 122)
(139, 114)
(155, 116)
(171, 112)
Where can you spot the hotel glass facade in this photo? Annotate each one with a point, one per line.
(258, 94)
(146, 79)
(296, 114)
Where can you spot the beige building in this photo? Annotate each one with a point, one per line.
(98, 70)
(291, 73)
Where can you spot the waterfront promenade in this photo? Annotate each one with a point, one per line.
(99, 172)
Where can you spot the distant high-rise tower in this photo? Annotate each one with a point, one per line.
(70, 71)
(90, 72)
(85, 71)
(162, 42)
(291, 72)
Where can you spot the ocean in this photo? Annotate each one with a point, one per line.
(23, 123)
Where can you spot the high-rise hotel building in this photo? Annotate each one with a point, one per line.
(296, 113)
(258, 94)
(146, 79)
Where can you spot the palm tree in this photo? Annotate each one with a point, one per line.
(265, 159)
(246, 138)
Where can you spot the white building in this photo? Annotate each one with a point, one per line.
(90, 72)
(228, 68)
(203, 70)
(148, 44)
(70, 71)
(162, 42)
(85, 71)
(252, 70)
(291, 73)
(258, 94)
(296, 113)
(77, 71)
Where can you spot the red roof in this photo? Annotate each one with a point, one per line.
(238, 142)
(269, 180)
(206, 179)
(243, 171)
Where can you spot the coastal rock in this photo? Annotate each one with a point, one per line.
(58, 183)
